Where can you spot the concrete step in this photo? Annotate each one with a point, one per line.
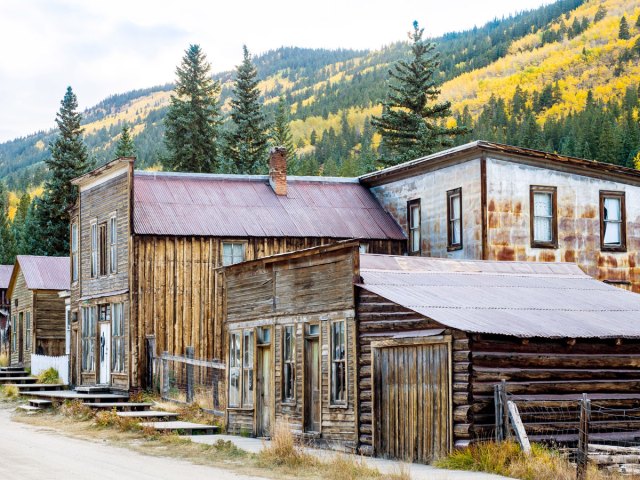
(181, 428)
(21, 380)
(120, 406)
(93, 389)
(149, 414)
(40, 402)
(40, 387)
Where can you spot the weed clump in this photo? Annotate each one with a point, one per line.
(9, 391)
(76, 409)
(50, 376)
(284, 451)
(4, 360)
(110, 418)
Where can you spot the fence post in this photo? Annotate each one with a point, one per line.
(583, 438)
(506, 433)
(190, 355)
(497, 398)
(165, 375)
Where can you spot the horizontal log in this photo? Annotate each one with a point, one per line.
(595, 386)
(462, 430)
(555, 346)
(604, 459)
(461, 356)
(366, 439)
(460, 398)
(460, 386)
(366, 428)
(536, 360)
(461, 367)
(486, 374)
(461, 344)
(461, 413)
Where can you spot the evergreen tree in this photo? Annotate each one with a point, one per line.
(69, 159)
(623, 31)
(411, 124)
(281, 134)
(30, 243)
(18, 224)
(638, 21)
(246, 140)
(193, 120)
(7, 240)
(125, 146)
(600, 14)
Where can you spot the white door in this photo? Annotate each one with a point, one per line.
(105, 353)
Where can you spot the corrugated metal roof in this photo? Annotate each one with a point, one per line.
(44, 273)
(246, 206)
(5, 275)
(524, 299)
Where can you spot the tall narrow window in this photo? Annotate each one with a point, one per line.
(94, 250)
(288, 364)
(544, 221)
(234, 369)
(454, 219)
(413, 223)
(14, 334)
(27, 331)
(103, 248)
(88, 338)
(338, 364)
(613, 229)
(113, 245)
(247, 368)
(117, 338)
(74, 252)
(232, 253)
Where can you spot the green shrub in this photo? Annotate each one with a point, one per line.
(49, 376)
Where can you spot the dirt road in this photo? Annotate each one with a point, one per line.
(33, 453)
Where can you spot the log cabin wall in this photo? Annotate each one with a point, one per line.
(49, 323)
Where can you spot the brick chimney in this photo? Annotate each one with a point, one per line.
(278, 170)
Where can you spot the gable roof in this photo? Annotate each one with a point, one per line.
(5, 275)
(245, 206)
(526, 155)
(522, 299)
(42, 273)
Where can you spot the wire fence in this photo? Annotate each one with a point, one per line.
(186, 380)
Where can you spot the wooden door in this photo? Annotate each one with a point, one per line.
(263, 393)
(105, 353)
(412, 409)
(20, 338)
(312, 400)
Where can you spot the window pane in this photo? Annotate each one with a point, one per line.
(612, 233)
(456, 232)
(542, 231)
(415, 216)
(415, 241)
(542, 204)
(612, 209)
(455, 207)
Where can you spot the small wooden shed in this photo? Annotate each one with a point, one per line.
(398, 356)
(37, 312)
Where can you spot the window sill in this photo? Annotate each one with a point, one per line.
(613, 249)
(340, 407)
(454, 248)
(544, 245)
(240, 409)
(288, 403)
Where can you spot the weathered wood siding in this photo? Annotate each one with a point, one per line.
(24, 297)
(49, 323)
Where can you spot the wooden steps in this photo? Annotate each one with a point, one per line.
(28, 408)
(182, 428)
(14, 368)
(62, 395)
(18, 380)
(91, 389)
(149, 414)
(13, 373)
(40, 403)
(39, 387)
(120, 406)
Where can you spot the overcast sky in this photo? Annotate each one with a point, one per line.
(102, 47)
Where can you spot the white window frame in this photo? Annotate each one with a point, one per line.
(227, 260)
(289, 359)
(118, 349)
(74, 252)
(414, 223)
(94, 248)
(235, 369)
(113, 244)
(28, 328)
(89, 328)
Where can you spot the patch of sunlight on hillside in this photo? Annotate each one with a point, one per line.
(355, 116)
(40, 145)
(269, 84)
(14, 198)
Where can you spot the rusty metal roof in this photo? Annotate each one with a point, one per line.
(42, 273)
(5, 275)
(523, 299)
(246, 206)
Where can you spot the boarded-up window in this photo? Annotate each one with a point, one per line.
(103, 249)
(94, 250)
(413, 222)
(247, 368)
(234, 369)
(612, 221)
(454, 219)
(27, 331)
(288, 364)
(338, 364)
(113, 247)
(74, 252)
(89, 318)
(544, 222)
(117, 338)
(232, 253)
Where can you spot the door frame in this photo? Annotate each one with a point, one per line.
(21, 337)
(307, 337)
(260, 349)
(408, 342)
(102, 325)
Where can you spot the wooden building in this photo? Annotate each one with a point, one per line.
(5, 306)
(37, 312)
(147, 249)
(488, 201)
(398, 356)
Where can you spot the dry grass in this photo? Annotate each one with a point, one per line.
(49, 376)
(194, 413)
(110, 418)
(76, 409)
(9, 392)
(283, 451)
(343, 467)
(4, 360)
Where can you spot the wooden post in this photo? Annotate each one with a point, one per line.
(497, 399)
(505, 412)
(518, 428)
(190, 355)
(151, 358)
(583, 438)
(165, 375)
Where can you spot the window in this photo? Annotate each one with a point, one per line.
(232, 253)
(544, 221)
(103, 248)
(613, 229)
(413, 222)
(94, 250)
(74, 252)
(338, 364)
(117, 338)
(363, 248)
(104, 312)
(27, 331)
(234, 369)
(113, 248)
(247, 368)
(454, 219)
(14, 334)
(288, 364)
(88, 338)
(264, 335)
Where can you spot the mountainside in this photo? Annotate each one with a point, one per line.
(549, 58)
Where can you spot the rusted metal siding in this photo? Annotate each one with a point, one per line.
(431, 188)
(508, 222)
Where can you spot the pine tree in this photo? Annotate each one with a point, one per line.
(247, 140)
(623, 31)
(638, 21)
(411, 124)
(30, 243)
(281, 134)
(193, 120)
(7, 240)
(69, 159)
(125, 146)
(18, 223)
(600, 14)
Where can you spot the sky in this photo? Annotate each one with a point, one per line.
(104, 47)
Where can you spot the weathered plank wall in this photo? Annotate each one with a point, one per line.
(49, 323)
(24, 297)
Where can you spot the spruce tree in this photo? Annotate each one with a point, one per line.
(7, 240)
(623, 31)
(246, 140)
(281, 134)
(193, 120)
(69, 159)
(412, 120)
(125, 146)
(638, 21)
(600, 14)
(18, 223)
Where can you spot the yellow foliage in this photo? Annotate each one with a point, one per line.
(14, 198)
